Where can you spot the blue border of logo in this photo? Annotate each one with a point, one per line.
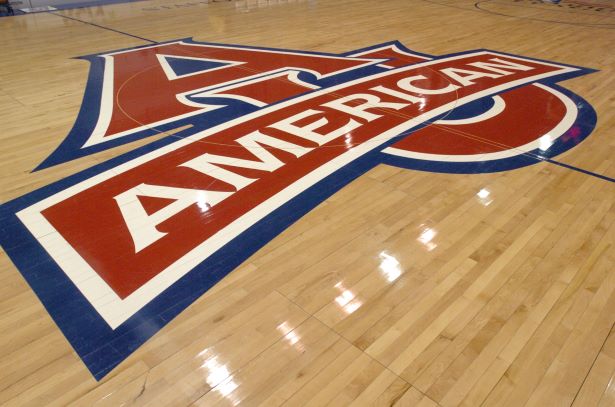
(102, 348)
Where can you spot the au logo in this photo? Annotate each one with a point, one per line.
(118, 250)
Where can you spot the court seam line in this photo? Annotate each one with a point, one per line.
(104, 28)
(591, 367)
(537, 8)
(256, 356)
(479, 10)
(477, 6)
(581, 170)
(349, 342)
(529, 154)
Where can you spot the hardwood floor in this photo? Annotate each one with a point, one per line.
(404, 288)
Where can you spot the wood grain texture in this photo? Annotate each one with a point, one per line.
(514, 304)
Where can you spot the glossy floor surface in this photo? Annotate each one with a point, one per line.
(37, 6)
(405, 287)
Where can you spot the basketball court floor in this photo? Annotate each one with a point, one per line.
(308, 203)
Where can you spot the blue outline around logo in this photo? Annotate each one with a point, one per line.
(102, 348)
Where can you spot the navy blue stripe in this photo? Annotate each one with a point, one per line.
(571, 167)
(105, 28)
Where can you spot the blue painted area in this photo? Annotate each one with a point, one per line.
(471, 109)
(93, 3)
(54, 6)
(102, 348)
(186, 66)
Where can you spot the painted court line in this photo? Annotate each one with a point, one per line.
(105, 28)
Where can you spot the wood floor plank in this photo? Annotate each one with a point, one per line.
(433, 286)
